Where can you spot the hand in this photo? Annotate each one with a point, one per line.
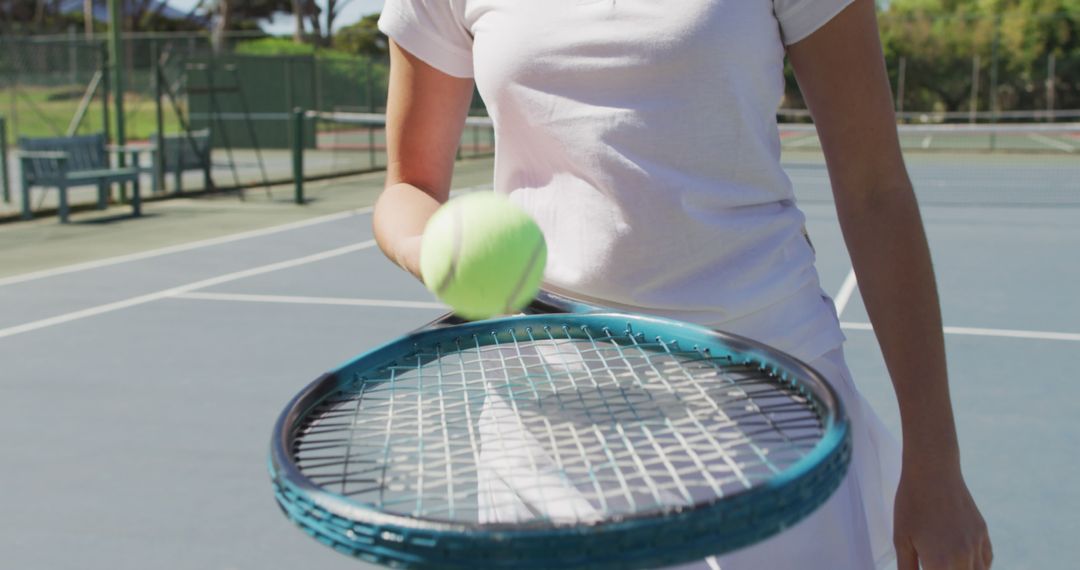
(937, 523)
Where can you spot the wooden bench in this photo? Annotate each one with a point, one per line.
(64, 162)
(183, 152)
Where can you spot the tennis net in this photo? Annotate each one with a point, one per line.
(345, 142)
(1021, 164)
(1034, 138)
(1010, 164)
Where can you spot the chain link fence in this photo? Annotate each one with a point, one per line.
(954, 69)
(985, 68)
(960, 68)
(60, 85)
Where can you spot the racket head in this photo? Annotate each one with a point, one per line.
(627, 538)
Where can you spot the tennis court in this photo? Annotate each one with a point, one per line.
(145, 360)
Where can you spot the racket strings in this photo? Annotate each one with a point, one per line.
(651, 449)
(668, 378)
(557, 425)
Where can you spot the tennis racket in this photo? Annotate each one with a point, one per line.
(565, 438)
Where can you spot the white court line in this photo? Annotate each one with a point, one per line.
(846, 290)
(1004, 333)
(339, 301)
(202, 243)
(173, 291)
(1060, 145)
(178, 248)
(802, 141)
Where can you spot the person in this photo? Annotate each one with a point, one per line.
(642, 137)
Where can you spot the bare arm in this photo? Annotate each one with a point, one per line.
(848, 92)
(425, 116)
(842, 75)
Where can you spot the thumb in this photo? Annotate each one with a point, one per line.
(906, 558)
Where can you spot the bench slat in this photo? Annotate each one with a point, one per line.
(113, 174)
(84, 152)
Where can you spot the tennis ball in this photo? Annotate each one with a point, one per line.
(482, 255)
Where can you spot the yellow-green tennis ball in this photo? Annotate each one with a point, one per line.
(482, 255)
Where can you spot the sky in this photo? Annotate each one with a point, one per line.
(284, 25)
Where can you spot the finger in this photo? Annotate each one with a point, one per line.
(965, 561)
(906, 559)
(951, 561)
(987, 553)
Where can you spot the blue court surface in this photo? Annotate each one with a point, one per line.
(138, 392)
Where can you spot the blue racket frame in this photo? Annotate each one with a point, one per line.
(684, 535)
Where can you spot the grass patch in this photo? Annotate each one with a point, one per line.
(47, 112)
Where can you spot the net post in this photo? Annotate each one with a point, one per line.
(297, 132)
(4, 182)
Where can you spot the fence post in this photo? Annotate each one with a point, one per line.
(900, 86)
(298, 153)
(106, 90)
(159, 118)
(116, 50)
(1051, 80)
(994, 80)
(973, 115)
(13, 101)
(315, 69)
(73, 55)
(4, 161)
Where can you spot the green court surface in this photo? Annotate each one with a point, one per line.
(145, 360)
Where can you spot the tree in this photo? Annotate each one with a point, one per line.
(321, 34)
(333, 8)
(88, 18)
(941, 39)
(362, 38)
(298, 21)
(58, 16)
(312, 12)
(35, 16)
(229, 15)
(222, 24)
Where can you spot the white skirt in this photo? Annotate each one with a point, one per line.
(851, 531)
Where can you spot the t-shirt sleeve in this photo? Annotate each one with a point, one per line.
(800, 18)
(432, 30)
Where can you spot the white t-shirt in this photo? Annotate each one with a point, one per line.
(642, 137)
